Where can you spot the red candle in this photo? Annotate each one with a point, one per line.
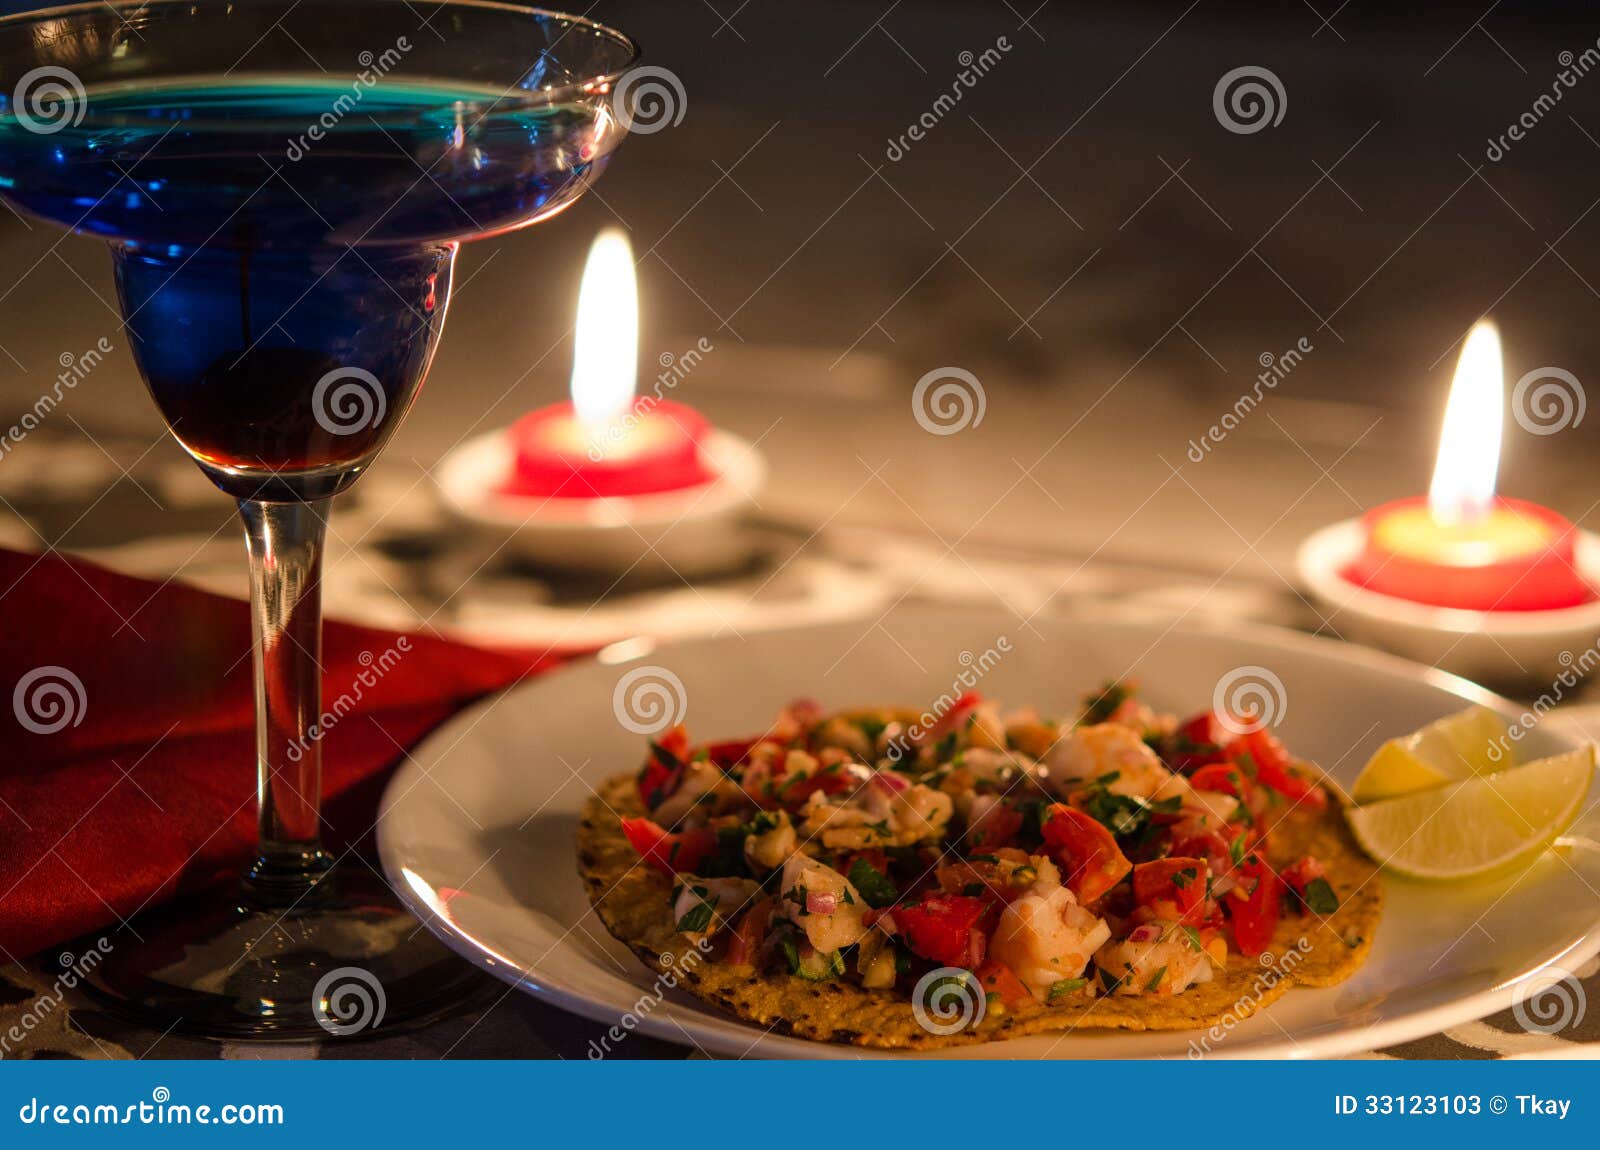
(1463, 546)
(1518, 557)
(607, 443)
(646, 451)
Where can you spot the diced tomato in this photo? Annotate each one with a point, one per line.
(744, 944)
(1301, 874)
(663, 770)
(669, 852)
(1274, 768)
(998, 828)
(1224, 778)
(956, 717)
(1198, 741)
(1175, 883)
(997, 978)
(1091, 862)
(1255, 905)
(944, 928)
(730, 753)
(675, 742)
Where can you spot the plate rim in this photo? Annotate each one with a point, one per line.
(719, 1034)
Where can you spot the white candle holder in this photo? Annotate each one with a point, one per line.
(692, 531)
(1507, 648)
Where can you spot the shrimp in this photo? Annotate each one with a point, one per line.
(1103, 749)
(822, 903)
(703, 906)
(1045, 936)
(698, 786)
(885, 811)
(1156, 958)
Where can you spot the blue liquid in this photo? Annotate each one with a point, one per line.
(271, 234)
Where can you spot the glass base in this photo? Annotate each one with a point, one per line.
(345, 962)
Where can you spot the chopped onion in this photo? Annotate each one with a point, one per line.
(1149, 932)
(890, 782)
(818, 903)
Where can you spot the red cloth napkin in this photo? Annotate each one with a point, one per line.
(147, 788)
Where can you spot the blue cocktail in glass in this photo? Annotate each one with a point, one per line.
(284, 186)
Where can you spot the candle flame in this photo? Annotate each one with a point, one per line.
(1464, 473)
(605, 360)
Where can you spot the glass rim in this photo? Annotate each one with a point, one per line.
(546, 95)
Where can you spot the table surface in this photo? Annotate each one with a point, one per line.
(1079, 232)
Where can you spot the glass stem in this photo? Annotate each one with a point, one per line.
(285, 544)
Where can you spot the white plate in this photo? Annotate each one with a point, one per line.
(477, 825)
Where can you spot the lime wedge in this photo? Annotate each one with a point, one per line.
(1487, 823)
(1471, 742)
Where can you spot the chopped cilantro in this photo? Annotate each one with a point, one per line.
(1060, 990)
(1184, 877)
(876, 888)
(1103, 705)
(1155, 979)
(700, 917)
(1236, 849)
(1193, 936)
(1320, 898)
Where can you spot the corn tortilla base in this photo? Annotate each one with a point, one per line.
(634, 902)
